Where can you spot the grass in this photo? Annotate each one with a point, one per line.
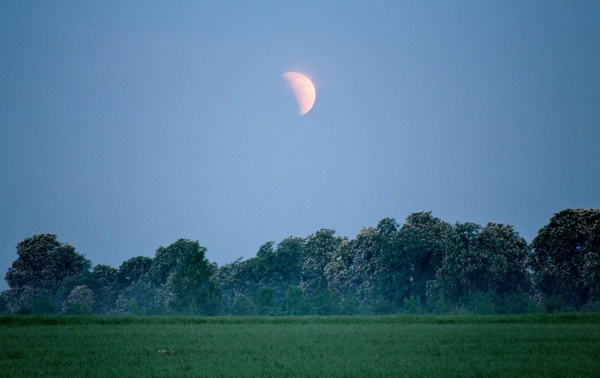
(460, 346)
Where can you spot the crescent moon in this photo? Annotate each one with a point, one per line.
(304, 90)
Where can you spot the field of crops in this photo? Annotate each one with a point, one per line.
(533, 345)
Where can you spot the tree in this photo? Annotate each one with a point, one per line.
(167, 259)
(591, 268)
(340, 271)
(275, 268)
(42, 265)
(563, 258)
(107, 292)
(504, 253)
(3, 304)
(412, 305)
(366, 265)
(80, 301)
(349, 304)
(325, 303)
(135, 294)
(21, 299)
(265, 301)
(103, 281)
(236, 279)
(393, 268)
(142, 297)
(484, 269)
(244, 277)
(243, 306)
(462, 267)
(286, 266)
(294, 302)
(192, 286)
(424, 240)
(86, 279)
(319, 250)
(42, 305)
(132, 270)
(106, 274)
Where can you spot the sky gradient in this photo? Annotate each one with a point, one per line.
(128, 125)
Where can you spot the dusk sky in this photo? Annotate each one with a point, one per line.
(125, 126)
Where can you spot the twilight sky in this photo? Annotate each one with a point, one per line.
(128, 125)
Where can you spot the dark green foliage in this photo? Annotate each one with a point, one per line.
(325, 303)
(349, 305)
(145, 284)
(243, 306)
(142, 297)
(3, 305)
(424, 242)
(42, 266)
(42, 306)
(286, 264)
(44, 263)
(319, 250)
(462, 268)
(211, 305)
(593, 307)
(103, 281)
(24, 311)
(81, 300)
(108, 288)
(482, 303)
(425, 265)
(438, 305)
(517, 303)
(191, 282)
(382, 306)
(132, 270)
(490, 260)
(412, 305)
(367, 270)
(564, 260)
(505, 255)
(591, 268)
(75, 308)
(87, 279)
(277, 269)
(265, 301)
(167, 260)
(295, 303)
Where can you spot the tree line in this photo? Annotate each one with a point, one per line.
(425, 265)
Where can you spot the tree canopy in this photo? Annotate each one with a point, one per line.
(564, 258)
(42, 266)
(422, 265)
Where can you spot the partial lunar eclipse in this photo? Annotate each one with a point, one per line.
(304, 90)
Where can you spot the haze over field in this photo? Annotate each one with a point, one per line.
(126, 126)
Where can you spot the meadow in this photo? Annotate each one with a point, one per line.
(353, 346)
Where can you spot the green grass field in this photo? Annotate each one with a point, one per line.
(441, 346)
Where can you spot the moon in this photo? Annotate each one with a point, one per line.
(304, 90)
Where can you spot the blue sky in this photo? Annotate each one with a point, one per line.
(126, 126)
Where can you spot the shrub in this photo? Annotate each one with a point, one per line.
(43, 306)
(80, 301)
(382, 306)
(591, 307)
(412, 305)
(483, 304)
(243, 306)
